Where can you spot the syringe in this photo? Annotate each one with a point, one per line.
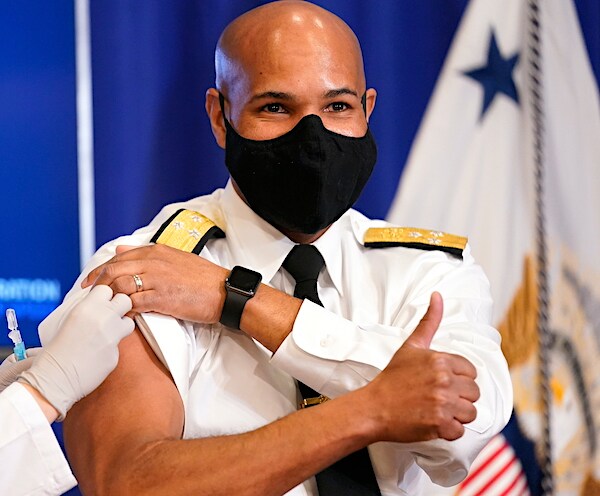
(15, 335)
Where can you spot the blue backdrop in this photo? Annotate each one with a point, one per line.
(152, 62)
(39, 253)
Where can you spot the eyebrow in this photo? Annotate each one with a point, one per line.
(339, 92)
(280, 95)
(276, 95)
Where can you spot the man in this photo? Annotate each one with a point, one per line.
(291, 109)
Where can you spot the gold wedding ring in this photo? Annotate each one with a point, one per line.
(138, 282)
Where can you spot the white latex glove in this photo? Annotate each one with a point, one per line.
(84, 351)
(10, 368)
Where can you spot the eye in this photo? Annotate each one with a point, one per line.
(337, 107)
(273, 108)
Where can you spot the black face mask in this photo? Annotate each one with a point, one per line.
(304, 180)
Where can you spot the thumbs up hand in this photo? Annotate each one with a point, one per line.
(423, 394)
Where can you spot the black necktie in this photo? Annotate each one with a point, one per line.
(352, 475)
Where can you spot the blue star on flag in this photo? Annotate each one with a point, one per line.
(495, 76)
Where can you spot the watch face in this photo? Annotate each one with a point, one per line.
(244, 279)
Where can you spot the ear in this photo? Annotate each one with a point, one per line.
(371, 96)
(215, 115)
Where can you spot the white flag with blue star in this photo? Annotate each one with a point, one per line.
(472, 171)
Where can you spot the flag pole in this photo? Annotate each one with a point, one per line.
(536, 101)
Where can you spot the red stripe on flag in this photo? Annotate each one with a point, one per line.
(491, 457)
(507, 491)
(496, 476)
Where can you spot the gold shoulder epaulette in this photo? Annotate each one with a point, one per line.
(424, 239)
(187, 230)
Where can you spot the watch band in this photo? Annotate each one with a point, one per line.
(233, 308)
(238, 294)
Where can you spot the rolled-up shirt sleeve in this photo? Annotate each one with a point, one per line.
(335, 355)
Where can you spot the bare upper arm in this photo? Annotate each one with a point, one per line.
(137, 404)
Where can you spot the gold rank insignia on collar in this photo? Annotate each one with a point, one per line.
(410, 237)
(187, 230)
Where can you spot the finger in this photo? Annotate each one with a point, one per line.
(451, 430)
(121, 303)
(465, 411)
(100, 292)
(118, 269)
(8, 374)
(461, 366)
(467, 388)
(21, 366)
(9, 360)
(126, 284)
(125, 248)
(94, 273)
(127, 327)
(424, 332)
(147, 301)
(33, 352)
(127, 254)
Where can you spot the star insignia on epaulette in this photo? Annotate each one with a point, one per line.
(410, 237)
(188, 231)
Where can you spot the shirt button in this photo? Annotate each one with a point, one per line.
(326, 341)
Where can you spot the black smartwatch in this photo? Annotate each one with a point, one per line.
(241, 285)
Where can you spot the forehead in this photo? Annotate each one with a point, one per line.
(295, 59)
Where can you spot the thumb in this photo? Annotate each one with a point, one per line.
(424, 332)
(123, 248)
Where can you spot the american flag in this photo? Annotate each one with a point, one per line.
(496, 471)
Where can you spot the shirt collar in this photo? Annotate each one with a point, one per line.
(256, 244)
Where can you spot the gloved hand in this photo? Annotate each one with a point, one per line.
(10, 368)
(84, 351)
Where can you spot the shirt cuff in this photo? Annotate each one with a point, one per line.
(331, 354)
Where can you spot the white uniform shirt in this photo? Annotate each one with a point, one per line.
(373, 299)
(32, 461)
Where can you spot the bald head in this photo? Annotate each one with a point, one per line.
(263, 38)
(285, 60)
